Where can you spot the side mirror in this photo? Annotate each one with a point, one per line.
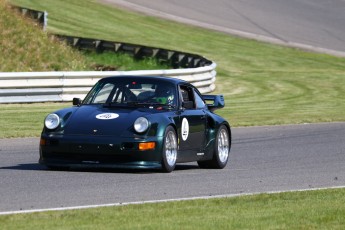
(76, 101)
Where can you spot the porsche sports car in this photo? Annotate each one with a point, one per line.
(137, 122)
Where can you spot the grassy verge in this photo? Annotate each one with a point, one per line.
(117, 61)
(25, 120)
(292, 210)
(24, 47)
(263, 84)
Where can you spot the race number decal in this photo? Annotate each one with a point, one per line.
(107, 116)
(185, 129)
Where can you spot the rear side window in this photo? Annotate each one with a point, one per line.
(200, 104)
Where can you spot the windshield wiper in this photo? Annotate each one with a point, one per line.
(151, 104)
(114, 104)
(125, 104)
(163, 105)
(135, 103)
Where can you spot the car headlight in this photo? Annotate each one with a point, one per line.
(52, 121)
(141, 124)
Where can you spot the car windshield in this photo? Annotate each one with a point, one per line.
(132, 92)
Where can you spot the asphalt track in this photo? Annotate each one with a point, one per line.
(317, 25)
(263, 159)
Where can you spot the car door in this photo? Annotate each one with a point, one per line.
(192, 125)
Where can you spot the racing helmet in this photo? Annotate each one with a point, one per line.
(164, 94)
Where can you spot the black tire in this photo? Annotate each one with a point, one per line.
(204, 164)
(169, 154)
(221, 150)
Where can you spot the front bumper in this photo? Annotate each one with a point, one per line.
(99, 151)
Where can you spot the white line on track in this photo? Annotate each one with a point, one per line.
(159, 201)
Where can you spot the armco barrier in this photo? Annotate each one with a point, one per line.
(175, 59)
(26, 87)
(63, 86)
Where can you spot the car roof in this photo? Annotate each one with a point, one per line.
(158, 78)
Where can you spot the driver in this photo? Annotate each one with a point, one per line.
(164, 94)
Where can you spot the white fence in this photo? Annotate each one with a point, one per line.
(25, 87)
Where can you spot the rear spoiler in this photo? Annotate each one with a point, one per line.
(214, 102)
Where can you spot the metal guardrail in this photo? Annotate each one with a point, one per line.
(24, 87)
(175, 59)
(63, 86)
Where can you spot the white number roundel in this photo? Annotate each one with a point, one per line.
(107, 116)
(185, 129)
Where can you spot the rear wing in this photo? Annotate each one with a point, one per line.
(214, 102)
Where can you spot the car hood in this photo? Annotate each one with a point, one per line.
(97, 120)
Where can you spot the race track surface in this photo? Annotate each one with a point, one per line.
(262, 159)
(310, 24)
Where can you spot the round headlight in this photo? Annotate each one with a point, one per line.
(141, 124)
(52, 121)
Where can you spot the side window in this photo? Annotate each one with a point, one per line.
(187, 97)
(200, 104)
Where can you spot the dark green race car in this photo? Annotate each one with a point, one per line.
(137, 122)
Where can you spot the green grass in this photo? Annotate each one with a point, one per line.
(25, 120)
(263, 84)
(118, 61)
(292, 210)
(24, 47)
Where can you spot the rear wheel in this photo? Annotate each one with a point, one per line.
(169, 150)
(221, 150)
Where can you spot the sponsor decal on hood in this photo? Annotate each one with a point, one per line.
(107, 116)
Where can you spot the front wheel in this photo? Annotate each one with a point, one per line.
(221, 150)
(169, 150)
